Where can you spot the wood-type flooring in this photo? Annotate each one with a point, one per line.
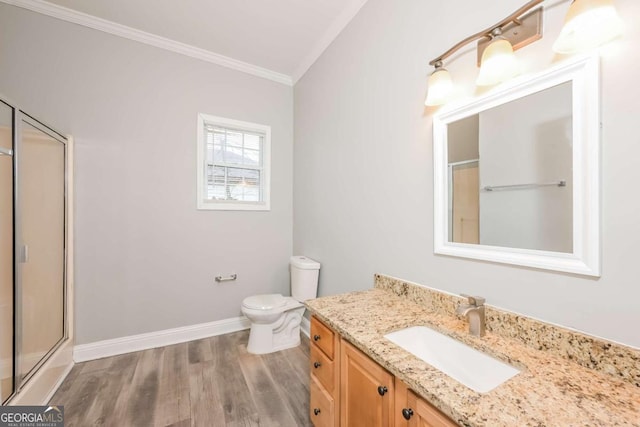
(206, 383)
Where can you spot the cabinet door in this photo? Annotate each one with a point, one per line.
(413, 411)
(366, 390)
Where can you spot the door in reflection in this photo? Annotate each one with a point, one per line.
(40, 244)
(465, 201)
(6, 251)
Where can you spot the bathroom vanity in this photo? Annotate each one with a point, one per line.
(348, 388)
(359, 377)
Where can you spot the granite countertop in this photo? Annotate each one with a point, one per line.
(549, 391)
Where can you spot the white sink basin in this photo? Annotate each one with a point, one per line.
(476, 370)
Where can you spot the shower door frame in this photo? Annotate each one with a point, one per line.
(21, 379)
(12, 153)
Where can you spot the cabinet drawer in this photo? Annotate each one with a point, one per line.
(323, 337)
(322, 368)
(321, 409)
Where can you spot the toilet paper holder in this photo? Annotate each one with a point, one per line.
(226, 279)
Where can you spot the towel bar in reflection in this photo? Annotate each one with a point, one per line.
(561, 183)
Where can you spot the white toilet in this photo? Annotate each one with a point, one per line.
(275, 320)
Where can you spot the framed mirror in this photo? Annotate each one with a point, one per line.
(516, 172)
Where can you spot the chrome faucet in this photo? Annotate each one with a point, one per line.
(474, 311)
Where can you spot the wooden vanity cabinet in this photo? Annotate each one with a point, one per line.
(349, 389)
(324, 384)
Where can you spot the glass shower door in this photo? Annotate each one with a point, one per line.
(40, 247)
(6, 252)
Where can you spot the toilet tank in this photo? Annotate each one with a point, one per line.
(304, 278)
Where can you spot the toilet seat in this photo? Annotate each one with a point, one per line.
(264, 302)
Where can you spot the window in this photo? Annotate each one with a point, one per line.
(233, 164)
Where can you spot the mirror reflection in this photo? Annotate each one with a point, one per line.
(511, 174)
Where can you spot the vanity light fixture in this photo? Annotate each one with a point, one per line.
(588, 24)
(498, 62)
(495, 46)
(440, 86)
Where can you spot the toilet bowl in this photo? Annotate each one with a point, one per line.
(275, 322)
(275, 319)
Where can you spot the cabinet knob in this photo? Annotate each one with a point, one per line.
(407, 413)
(382, 390)
(316, 411)
(316, 365)
(316, 337)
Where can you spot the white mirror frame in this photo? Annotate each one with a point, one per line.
(584, 75)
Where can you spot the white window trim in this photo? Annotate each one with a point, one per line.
(202, 202)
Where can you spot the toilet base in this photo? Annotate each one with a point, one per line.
(280, 335)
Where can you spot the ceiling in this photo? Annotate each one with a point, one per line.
(285, 36)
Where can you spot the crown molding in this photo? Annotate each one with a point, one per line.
(80, 18)
(327, 38)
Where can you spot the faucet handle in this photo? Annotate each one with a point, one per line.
(474, 300)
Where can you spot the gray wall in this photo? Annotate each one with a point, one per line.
(363, 175)
(462, 139)
(146, 258)
(528, 140)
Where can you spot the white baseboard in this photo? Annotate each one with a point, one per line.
(305, 327)
(113, 347)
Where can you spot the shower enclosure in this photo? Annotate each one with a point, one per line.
(33, 242)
